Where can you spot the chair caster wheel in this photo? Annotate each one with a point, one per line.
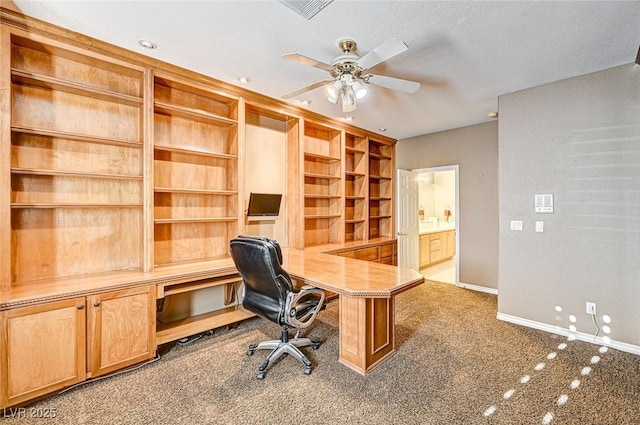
(260, 375)
(315, 346)
(249, 352)
(307, 371)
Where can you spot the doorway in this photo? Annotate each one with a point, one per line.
(439, 218)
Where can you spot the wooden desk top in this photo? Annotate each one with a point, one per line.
(347, 276)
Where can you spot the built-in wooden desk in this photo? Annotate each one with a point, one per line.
(366, 301)
(366, 325)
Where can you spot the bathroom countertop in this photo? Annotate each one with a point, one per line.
(442, 226)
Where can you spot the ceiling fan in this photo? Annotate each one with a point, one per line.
(349, 73)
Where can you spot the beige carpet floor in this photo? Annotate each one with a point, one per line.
(455, 364)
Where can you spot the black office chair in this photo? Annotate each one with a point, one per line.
(269, 293)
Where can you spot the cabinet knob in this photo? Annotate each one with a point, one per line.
(80, 306)
(96, 304)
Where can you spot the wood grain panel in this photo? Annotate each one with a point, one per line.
(38, 189)
(180, 205)
(50, 153)
(322, 140)
(175, 243)
(190, 134)
(191, 172)
(49, 243)
(53, 354)
(122, 329)
(353, 332)
(193, 96)
(57, 110)
(5, 154)
(381, 318)
(55, 62)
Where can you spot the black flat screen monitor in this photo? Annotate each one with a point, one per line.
(264, 205)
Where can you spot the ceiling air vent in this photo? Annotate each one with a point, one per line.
(306, 8)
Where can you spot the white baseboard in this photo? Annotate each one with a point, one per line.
(472, 287)
(622, 346)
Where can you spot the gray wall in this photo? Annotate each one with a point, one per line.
(578, 139)
(475, 150)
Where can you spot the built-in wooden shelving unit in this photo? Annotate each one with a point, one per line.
(76, 178)
(124, 182)
(195, 169)
(381, 169)
(356, 188)
(322, 171)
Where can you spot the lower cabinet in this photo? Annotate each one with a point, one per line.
(384, 253)
(437, 247)
(50, 346)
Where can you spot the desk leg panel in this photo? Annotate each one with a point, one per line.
(366, 332)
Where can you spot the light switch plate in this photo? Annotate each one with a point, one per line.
(543, 203)
(516, 224)
(539, 226)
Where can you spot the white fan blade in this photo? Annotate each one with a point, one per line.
(310, 87)
(295, 57)
(392, 83)
(386, 50)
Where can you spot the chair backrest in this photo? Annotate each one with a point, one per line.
(266, 283)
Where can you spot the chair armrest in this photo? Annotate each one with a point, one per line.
(310, 300)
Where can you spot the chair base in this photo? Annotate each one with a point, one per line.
(281, 347)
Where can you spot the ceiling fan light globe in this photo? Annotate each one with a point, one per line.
(360, 90)
(333, 99)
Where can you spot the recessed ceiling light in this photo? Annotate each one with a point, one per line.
(147, 44)
(244, 79)
(306, 102)
(382, 129)
(493, 115)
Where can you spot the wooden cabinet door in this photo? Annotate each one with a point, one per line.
(42, 349)
(451, 243)
(122, 329)
(425, 250)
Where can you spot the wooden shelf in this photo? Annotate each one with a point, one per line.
(379, 156)
(319, 157)
(312, 196)
(195, 191)
(73, 205)
(349, 149)
(195, 152)
(52, 83)
(194, 220)
(359, 220)
(321, 216)
(167, 332)
(375, 177)
(192, 113)
(76, 137)
(82, 174)
(355, 198)
(354, 174)
(378, 217)
(378, 198)
(322, 176)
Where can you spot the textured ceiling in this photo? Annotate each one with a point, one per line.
(465, 54)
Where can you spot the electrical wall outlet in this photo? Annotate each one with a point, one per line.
(591, 308)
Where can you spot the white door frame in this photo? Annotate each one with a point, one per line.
(456, 168)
